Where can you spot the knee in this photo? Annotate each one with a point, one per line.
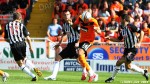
(127, 66)
(118, 63)
(58, 58)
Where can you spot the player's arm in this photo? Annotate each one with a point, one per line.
(141, 34)
(26, 34)
(96, 27)
(119, 39)
(6, 34)
(76, 23)
(62, 34)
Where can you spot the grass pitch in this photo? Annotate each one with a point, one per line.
(18, 77)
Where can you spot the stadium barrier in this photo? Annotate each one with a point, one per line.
(102, 57)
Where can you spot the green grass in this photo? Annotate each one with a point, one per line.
(18, 77)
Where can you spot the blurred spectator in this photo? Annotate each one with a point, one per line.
(57, 11)
(61, 5)
(102, 27)
(137, 11)
(7, 7)
(115, 16)
(94, 11)
(24, 4)
(146, 32)
(72, 11)
(116, 6)
(148, 21)
(103, 12)
(142, 4)
(54, 31)
(147, 10)
(112, 28)
(82, 4)
(79, 12)
(72, 3)
(137, 21)
(91, 2)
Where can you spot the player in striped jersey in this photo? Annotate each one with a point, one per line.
(131, 43)
(70, 50)
(15, 34)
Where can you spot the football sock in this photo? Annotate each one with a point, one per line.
(55, 68)
(85, 64)
(136, 68)
(27, 71)
(115, 71)
(84, 70)
(29, 64)
(1, 72)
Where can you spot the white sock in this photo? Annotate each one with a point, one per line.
(29, 64)
(115, 72)
(91, 72)
(55, 69)
(27, 71)
(136, 68)
(84, 70)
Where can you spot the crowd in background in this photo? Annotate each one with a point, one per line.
(107, 13)
(7, 7)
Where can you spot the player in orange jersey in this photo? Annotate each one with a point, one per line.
(88, 27)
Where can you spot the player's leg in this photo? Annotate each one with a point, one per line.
(133, 67)
(29, 64)
(84, 64)
(26, 70)
(4, 75)
(58, 58)
(19, 58)
(117, 68)
(84, 71)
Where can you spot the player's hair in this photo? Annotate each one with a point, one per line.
(16, 16)
(125, 17)
(66, 11)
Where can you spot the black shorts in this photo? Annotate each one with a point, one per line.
(18, 50)
(85, 46)
(69, 51)
(132, 52)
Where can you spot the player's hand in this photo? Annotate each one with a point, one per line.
(137, 45)
(70, 21)
(31, 50)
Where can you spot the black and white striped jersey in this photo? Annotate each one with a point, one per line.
(128, 33)
(15, 32)
(74, 32)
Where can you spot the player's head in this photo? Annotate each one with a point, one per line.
(17, 16)
(67, 14)
(125, 18)
(86, 16)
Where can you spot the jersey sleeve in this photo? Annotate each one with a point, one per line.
(134, 28)
(77, 21)
(120, 37)
(5, 32)
(25, 31)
